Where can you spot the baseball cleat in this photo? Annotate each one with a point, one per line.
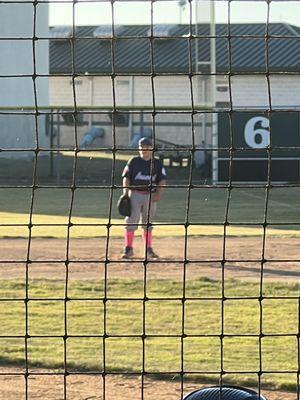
(150, 253)
(128, 252)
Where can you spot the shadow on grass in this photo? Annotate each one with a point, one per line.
(94, 196)
(200, 379)
(99, 172)
(88, 170)
(203, 379)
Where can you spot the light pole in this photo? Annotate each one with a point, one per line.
(91, 98)
(213, 69)
(182, 4)
(207, 9)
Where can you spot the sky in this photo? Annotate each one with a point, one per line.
(139, 12)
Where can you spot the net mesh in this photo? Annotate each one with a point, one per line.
(221, 305)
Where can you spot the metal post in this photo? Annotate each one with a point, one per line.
(213, 93)
(204, 130)
(197, 76)
(211, 87)
(51, 143)
(91, 89)
(196, 49)
(91, 100)
(181, 4)
(58, 150)
(131, 103)
(142, 123)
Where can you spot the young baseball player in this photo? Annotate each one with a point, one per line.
(142, 174)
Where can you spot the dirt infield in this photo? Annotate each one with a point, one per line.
(86, 261)
(82, 387)
(86, 258)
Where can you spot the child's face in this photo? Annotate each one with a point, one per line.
(145, 152)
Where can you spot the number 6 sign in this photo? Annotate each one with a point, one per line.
(257, 138)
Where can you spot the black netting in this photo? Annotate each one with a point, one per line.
(220, 306)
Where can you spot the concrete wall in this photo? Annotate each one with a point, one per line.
(17, 67)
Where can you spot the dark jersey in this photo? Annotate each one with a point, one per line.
(138, 171)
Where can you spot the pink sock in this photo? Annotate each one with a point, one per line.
(147, 237)
(129, 236)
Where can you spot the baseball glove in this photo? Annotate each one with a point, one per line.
(124, 205)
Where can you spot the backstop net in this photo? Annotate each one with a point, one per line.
(218, 302)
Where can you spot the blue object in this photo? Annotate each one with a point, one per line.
(135, 140)
(226, 393)
(91, 135)
(146, 133)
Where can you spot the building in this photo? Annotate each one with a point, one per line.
(257, 68)
(20, 62)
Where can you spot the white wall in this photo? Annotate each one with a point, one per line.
(172, 91)
(250, 91)
(17, 58)
(247, 91)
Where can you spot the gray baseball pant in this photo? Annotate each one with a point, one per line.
(140, 210)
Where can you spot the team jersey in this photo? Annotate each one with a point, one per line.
(138, 171)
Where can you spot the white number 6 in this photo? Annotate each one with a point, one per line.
(257, 138)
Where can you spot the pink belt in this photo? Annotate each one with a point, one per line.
(140, 191)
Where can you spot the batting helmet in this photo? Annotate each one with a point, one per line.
(224, 393)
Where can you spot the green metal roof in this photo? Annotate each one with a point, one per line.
(239, 48)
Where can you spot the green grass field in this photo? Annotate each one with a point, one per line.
(163, 317)
(91, 206)
(124, 326)
(207, 205)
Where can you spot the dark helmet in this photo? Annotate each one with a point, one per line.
(145, 141)
(224, 393)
